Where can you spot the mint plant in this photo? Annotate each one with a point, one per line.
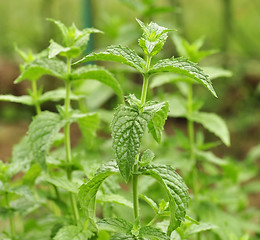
(129, 123)
(32, 155)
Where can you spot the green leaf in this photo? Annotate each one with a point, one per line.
(128, 126)
(194, 228)
(27, 100)
(177, 106)
(62, 182)
(152, 233)
(147, 157)
(150, 201)
(117, 225)
(56, 49)
(121, 236)
(184, 67)
(21, 154)
(176, 190)
(117, 54)
(157, 122)
(214, 72)
(99, 74)
(88, 126)
(114, 198)
(214, 124)
(43, 66)
(72, 232)
(153, 39)
(42, 132)
(57, 95)
(31, 175)
(87, 192)
(210, 157)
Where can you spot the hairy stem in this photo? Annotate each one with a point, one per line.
(35, 97)
(67, 141)
(145, 81)
(11, 219)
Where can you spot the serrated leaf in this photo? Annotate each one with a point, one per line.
(184, 67)
(153, 38)
(88, 126)
(117, 54)
(99, 74)
(117, 225)
(57, 95)
(128, 126)
(42, 132)
(72, 232)
(43, 66)
(27, 100)
(214, 124)
(157, 122)
(176, 190)
(152, 233)
(114, 198)
(87, 192)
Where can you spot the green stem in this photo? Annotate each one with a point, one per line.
(67, 141)
(35, 97)
(194, 173)
(145, 81)
(135, 192)
(11, 219)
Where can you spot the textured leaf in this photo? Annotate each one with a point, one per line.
(42, 132)
(128, 126)
(157, 122)
(99, 74)
(152, 233)
(153, 38)
(88, 126)
(117, 54)
(27, 100)
(214, 124)
(88, 191)
(57, 95)
(72, 232)
(114, 198)
(176, 190)
(21, 154)
(117, 225)
(39, 67)
(184, 67)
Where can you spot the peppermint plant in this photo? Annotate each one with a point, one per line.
(130, 121)
(45, 153)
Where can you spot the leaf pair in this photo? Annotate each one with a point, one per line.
(128, 126)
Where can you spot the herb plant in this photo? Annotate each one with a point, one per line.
(129, 123)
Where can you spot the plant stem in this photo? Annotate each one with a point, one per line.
(67, 141)
(145, 81)
(11, 219)
(135, 192)
(194, 173)
(35, 97)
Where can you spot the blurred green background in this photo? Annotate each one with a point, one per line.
(230, 26)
